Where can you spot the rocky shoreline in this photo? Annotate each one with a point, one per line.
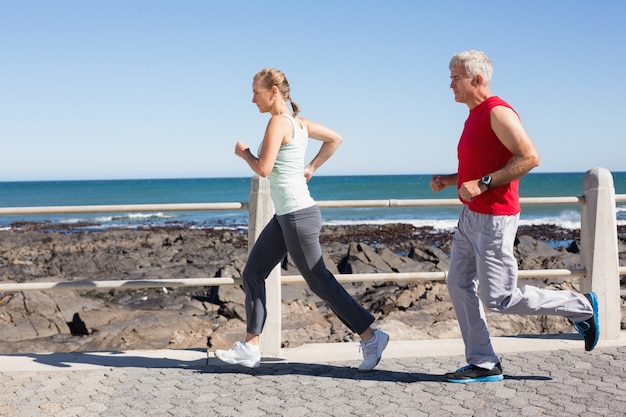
(197, 317)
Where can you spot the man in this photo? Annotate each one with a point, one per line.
(494, 151)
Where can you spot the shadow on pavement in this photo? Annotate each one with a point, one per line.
(269, 367)
(340, 372)
(322, 371)
(110, 359)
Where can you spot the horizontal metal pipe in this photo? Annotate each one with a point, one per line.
(122, 208)
(286, 279)
(436, 202)
(434, 276)
(5, 211)
(122, 284)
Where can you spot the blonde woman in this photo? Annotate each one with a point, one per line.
(295, 227)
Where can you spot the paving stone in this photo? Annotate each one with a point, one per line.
(552, 383)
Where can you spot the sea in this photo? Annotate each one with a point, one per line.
(214, 190)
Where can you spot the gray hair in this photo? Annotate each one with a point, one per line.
(475, 63)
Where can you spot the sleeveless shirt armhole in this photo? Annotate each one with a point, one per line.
(293, 127)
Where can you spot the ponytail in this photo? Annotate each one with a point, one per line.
(295, 108)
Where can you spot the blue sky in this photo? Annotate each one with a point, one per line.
(162, 89)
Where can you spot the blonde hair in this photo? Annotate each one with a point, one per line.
(269, 77)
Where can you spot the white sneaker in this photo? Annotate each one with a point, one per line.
(241, 353)
(373, 350)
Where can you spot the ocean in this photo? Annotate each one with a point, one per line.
(212, 190)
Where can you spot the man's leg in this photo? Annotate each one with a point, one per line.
(497, 272)
(462, 286)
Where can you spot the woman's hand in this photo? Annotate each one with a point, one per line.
(308, 173)
(241, 150)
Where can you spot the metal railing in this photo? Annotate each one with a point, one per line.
(598, 248)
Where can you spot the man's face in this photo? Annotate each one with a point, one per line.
(461, 84)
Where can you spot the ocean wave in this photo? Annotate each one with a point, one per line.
(439, 221)
(563, 224)
(446, 224)
(566, 221)
(135, 217)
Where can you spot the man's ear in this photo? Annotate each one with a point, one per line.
(477, 80)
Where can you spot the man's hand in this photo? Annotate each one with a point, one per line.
(470, 189)
(439, 182)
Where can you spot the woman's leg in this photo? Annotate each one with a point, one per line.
(267, 252)
(301, 234)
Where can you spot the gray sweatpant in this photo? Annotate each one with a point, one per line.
(297, 234)
(482, 258)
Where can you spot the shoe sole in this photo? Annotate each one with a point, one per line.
(379, 356)
(246, 363)
(596, 320)
(490, 378)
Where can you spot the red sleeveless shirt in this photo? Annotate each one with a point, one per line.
(480, 153)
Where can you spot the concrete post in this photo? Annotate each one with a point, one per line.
(599, 251)
(260, 212)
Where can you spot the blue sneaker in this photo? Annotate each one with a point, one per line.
(473, 373)
(590, 328)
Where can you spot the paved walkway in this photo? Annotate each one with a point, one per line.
(544, 376)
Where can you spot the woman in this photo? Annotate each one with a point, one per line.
(295, 227)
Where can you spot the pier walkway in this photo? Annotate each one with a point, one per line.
(544, 376)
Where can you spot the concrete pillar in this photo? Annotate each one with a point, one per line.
(260, 212)
(599, 251)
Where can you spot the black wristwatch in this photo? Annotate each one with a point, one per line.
(487, 181)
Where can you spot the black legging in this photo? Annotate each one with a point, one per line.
(297, 233)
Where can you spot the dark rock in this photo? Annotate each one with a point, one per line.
(77, 326)
(394, 262)
(157, 318)
(573, 247)
(529, 247)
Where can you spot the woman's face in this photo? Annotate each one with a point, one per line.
(261, 96)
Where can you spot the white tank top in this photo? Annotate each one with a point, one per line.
(288, 187)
